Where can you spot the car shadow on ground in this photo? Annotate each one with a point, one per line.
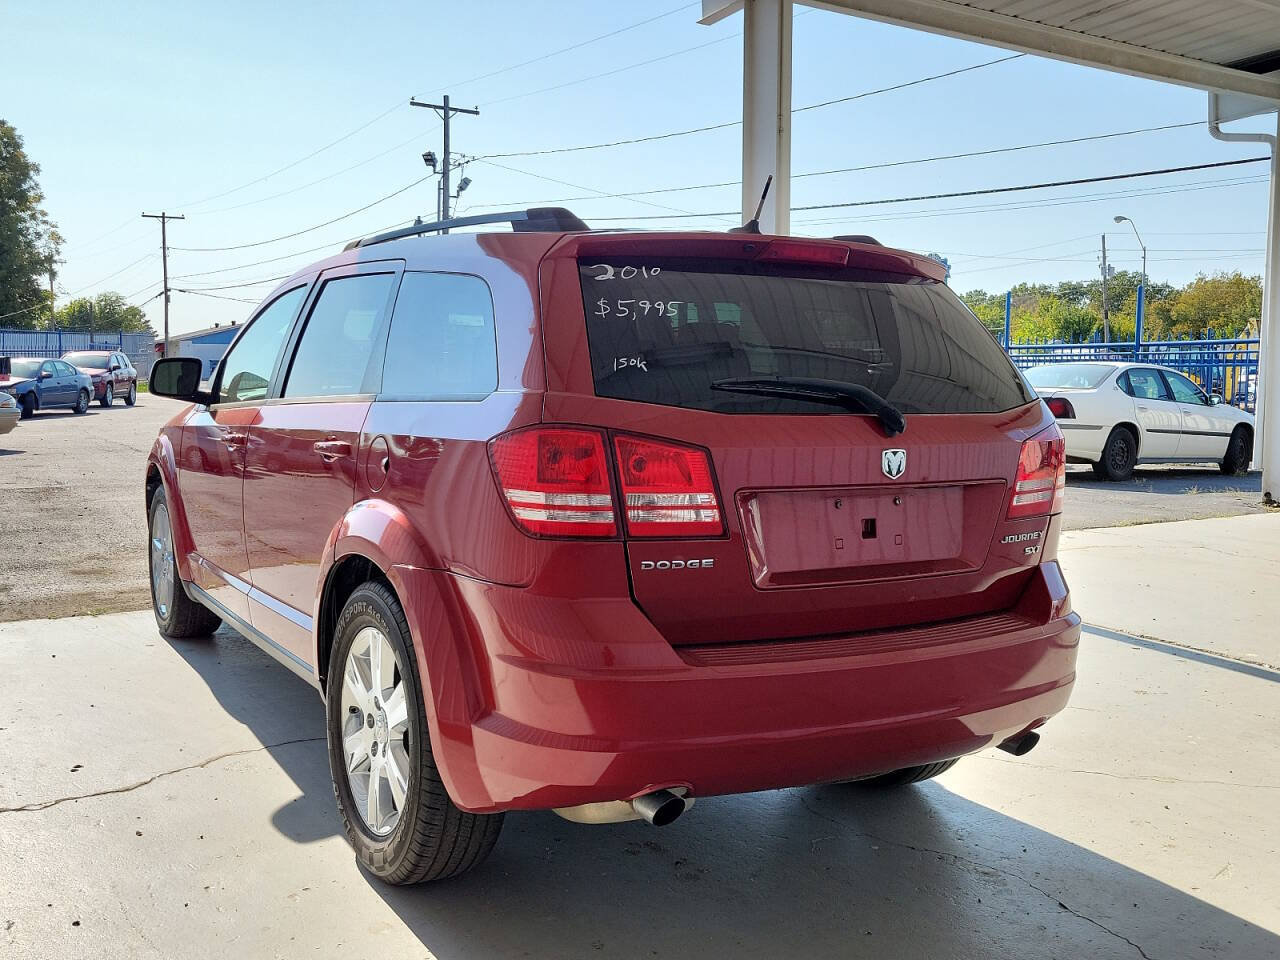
(810, 872)
(1170, 480)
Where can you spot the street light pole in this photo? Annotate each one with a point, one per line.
(1119, 219)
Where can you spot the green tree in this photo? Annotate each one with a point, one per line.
(29, 242)
(988, 307)
(1225, 303)
(107, 312)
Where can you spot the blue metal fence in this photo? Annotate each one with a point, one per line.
(1228, 368)
(139, 347)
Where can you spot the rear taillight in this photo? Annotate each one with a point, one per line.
(556, 481)
(667, 488)
(1041, 482)
(1061, 408)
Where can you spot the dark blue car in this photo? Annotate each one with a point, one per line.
(39, 384)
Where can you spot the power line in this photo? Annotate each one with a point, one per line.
(245, 283)
(873, 166)
(215, 296)
(909, 83)
(324, 179)
(294, 163)
(576, 46)
(903, 215)
(736, 123)
(576, 186)
(318, 226)
(615, 70)
(970, 193)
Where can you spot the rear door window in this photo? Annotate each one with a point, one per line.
(665, 332)
(441, 345)
(1147, 385)
(333, 355)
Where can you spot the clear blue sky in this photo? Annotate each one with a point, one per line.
(169, 105)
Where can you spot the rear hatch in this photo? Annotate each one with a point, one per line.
(771, 357)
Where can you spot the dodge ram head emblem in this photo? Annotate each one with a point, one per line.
(893, 463)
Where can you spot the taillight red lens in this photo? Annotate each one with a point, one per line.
(667, 489)
(1061, 408)
(556, 481)
(1041, 482)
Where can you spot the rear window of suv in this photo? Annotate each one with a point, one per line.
(665, 332)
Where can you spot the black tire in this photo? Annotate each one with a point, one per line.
(907, 775)
(181, 618)
(432, 839)
(28, 406)
(108, 396)
(131, 397)
(82, 401)
(1239, 453)
(1119, 456)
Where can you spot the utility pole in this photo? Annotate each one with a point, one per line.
(164, 219)
(444, 112)
(1106, 316)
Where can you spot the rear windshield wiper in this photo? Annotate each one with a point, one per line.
(852, 396)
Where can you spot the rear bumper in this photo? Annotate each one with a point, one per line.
(604, 709)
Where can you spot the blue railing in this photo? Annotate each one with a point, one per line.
(139, 347)
(1228, 368)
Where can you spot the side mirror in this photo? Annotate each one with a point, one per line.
(46, 375)
(115, 367)
(178, 377)
(1215, 400)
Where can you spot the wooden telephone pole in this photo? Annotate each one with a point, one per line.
(164, 219)
(445, 112)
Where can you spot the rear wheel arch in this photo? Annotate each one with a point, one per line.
(346, 576)
(1133, 429)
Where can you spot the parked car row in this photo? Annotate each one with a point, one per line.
(75, 381)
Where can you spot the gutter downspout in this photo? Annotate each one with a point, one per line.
(1266, 443)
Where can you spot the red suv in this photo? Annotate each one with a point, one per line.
(112, 375)
(601, 522)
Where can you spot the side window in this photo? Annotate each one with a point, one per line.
(1147, 385)
(1123, 383)
(65, 369)
(246, 370)
(442, 340)
(1184, 391)
(333, 354)
(49, 367)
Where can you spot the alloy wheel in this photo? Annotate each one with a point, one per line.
(162, 561)
(375, 731)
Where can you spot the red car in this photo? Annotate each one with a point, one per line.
(112, 374)
(601, 522)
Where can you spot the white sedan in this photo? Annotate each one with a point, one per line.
(1117, 415)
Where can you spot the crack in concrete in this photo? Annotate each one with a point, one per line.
(46, 804)
(956, 858)
(1128, 776)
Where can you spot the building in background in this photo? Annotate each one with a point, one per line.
(208, 345)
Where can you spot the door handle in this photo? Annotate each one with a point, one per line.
(1142, 409)
(234, 440)
(331, 450)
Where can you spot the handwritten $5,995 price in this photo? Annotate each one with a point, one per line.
(624, 309)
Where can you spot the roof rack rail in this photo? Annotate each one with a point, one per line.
(533, 220)
(859, 238)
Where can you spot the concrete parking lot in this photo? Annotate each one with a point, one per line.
(182, 807)
(72, 489)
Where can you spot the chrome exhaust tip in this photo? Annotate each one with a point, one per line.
(657, 808)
